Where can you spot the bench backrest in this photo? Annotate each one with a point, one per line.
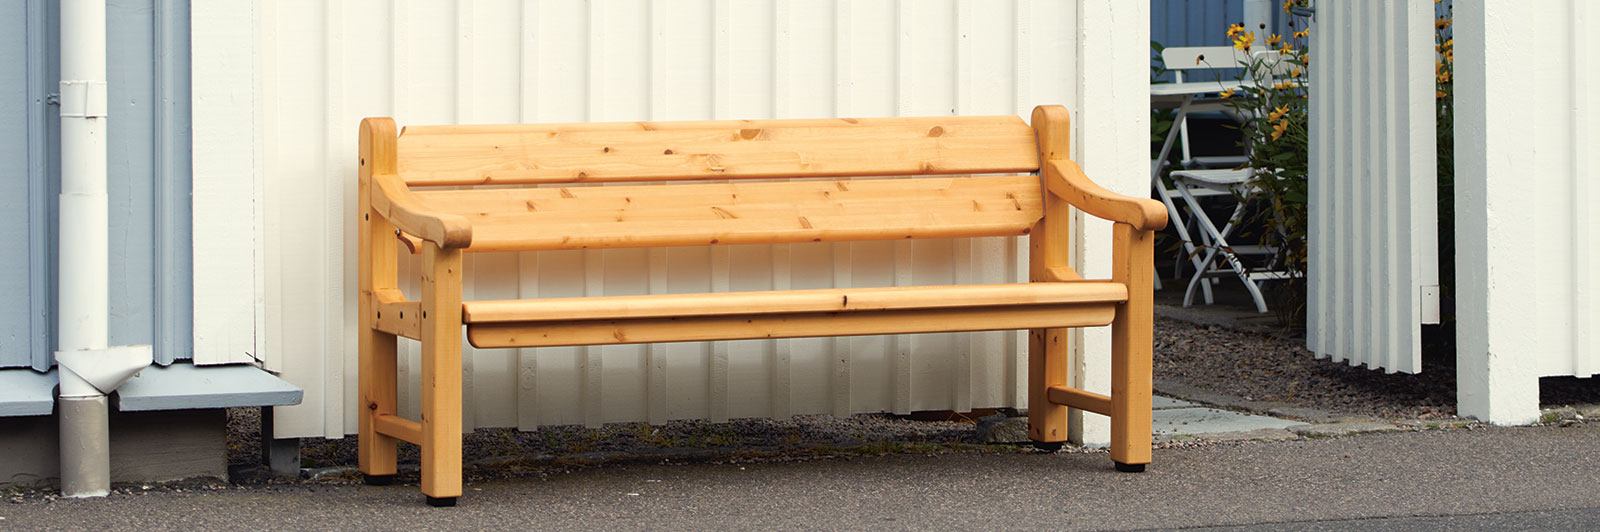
(727, 149)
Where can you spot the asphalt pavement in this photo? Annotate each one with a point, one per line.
(1482, 478)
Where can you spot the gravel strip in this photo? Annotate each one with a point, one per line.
(1258, 367)
(1277, 368)
(805, 435)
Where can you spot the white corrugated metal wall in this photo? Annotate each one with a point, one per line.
(1373, 277)
(1527, 232)
(320, 67)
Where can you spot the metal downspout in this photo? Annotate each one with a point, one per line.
(88, 369)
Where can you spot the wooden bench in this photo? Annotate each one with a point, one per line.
(400, 176)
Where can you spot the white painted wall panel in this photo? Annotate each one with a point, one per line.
(1373, 276)
(1527, 229)
(324, 66)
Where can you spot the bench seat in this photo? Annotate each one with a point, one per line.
(789, 314)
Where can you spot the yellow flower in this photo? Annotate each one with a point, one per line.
(1285, 49)
(1438, 94)
(1290, 3)
(1444, 77)
(1226, 94)
(1441, 23)
(1274, 39)
(1243, 40)
(1295, 73)
(1302, 33)
(1283, 85)
(1279, 128)
(1235, 30)
(1278, 113)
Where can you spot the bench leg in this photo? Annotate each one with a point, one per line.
(441, 375)
(1133, 263)
(378, 374)
(1047, 366)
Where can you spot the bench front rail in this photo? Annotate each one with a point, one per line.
(949, 196)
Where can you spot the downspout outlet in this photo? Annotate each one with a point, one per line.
(98, 372)
(87, 377)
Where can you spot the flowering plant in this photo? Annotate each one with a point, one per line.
(1272, 102)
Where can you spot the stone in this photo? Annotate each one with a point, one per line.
(1002, 429)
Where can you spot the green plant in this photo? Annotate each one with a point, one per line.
(1273, 102)
(1444, 95)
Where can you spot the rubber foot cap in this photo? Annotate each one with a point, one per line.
(377, 480)
(1048, 447)
(1130, 468)
(441, 502)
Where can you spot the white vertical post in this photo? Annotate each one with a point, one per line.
(1497, 379)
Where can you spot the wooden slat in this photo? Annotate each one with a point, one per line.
(649, 151)
(743, 213)
(704, 328)
(773, 302)
(1075, 398)
(395, 315)
(397, 427)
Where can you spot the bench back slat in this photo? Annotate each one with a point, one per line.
(701, 214)
(727, 149)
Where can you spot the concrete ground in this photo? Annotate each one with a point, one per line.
(1478, 478)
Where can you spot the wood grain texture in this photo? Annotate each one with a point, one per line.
(791, 325)
(398, 427)
(1075, 398)
(725, 149)
(741, 213)
(1048, 254)
(843, 300)
(1066, 180)
(441, 372)
(377, 272)
(1132, 343)
(400, 318)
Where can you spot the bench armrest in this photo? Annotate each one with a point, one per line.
(392, 199)
(1066, 180)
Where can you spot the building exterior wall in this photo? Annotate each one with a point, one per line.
(1205, 23)
(148, 178)
(1527, 109)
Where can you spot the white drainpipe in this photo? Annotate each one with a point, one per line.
(88, 369)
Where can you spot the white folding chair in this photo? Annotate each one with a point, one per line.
(1180, 60)
(1191, 184)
